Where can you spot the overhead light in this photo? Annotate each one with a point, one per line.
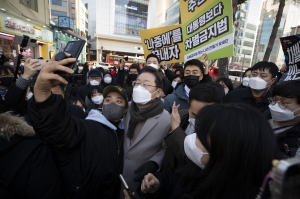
(3, 9)
(28, 19)
(8, 17)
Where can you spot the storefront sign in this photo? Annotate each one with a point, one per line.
(14, 26)
(207, 27)
(19, 27)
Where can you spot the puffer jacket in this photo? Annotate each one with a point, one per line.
(27, 166)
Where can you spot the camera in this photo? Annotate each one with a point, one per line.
(286, 179)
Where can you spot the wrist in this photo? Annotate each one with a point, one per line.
(174, 126)
(41, 96)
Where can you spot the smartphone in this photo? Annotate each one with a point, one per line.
(126, 187)
(74, 48)
(286, 178)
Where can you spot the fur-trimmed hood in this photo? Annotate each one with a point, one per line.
(11, 125)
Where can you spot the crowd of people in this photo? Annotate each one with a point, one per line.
(170, 131)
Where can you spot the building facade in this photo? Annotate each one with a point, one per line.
(33, 22)
(69, 19)
(290, 18)
(248, 18)
(114, 26)
(167, 13)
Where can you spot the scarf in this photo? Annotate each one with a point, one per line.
(137, 115)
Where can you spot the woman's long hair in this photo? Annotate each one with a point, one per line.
(241, 145)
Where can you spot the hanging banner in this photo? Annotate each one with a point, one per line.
(291, 48)
(207, 27)
(165, 42)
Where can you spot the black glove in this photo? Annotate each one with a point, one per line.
(148, 167)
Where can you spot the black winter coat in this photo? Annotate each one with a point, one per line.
(290, 138)
(245, 96)
(175, 158)
(171, 187)
(26, 164)
(90, 153)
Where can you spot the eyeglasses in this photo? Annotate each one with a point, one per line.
(144, 85)
(281, 105)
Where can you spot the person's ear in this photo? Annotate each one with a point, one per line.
(201, 77)
(158, 93)
(273, 80)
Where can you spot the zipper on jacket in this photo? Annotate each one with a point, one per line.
(116, 175)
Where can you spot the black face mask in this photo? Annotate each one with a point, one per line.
(6, 81)
(112, 111)
(191, 80)
(133, 77)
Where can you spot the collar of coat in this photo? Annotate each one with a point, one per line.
(248, 94)
(11, 125)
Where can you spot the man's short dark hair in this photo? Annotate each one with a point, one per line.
(288, 89)
(135, 66)
(207, 92)
(158, 76)
(227, 82)
(263, 65)
(195, 62)
(153, 55)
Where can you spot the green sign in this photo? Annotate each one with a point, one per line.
(207, 28)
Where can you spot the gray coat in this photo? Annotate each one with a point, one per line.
(179, 96)
(148, 146)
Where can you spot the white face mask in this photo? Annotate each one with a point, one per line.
(246, 81)
(141, 95)
(226, 91)
(29, 95)
(80, 67)
(126, 68)
(280, 115)
(94, 83)
(22, 64)
(107, 80)
(11, 63)
(174, 84)
(97, 99)
(83, 110)
(153, 66)
(257, 83)
(192, 151)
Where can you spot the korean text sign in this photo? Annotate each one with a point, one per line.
(207, 28)
(166, 42)
(291, 48)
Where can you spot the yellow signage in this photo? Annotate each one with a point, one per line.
(38, 27)
(165, 42)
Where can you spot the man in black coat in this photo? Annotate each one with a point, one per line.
(27, 167)
(263, 76)
(183, 124)
(90, 150)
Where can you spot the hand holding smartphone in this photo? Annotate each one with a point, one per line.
(73, 48)
(126, 187)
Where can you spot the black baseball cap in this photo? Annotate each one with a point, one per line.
(116, 89)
